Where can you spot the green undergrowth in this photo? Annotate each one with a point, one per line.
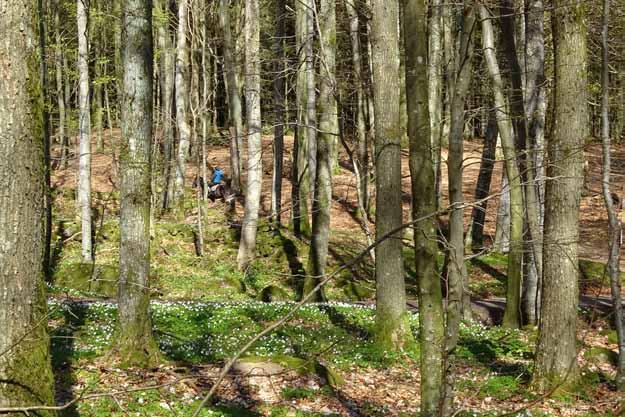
(192, 333)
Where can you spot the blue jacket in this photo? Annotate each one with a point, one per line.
(218, 176)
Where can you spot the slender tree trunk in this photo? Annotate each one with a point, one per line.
(535, 109)
(278, 98)
(392, 330)
(556, 352)
(25, 373)
(182, 99)
(502, 231)
(249, 226)
(84, 130)
(435, 83)
(615, 228)
(60, 96)
(328, 132)
(301, 224)
(422, 171)
(311, 96)
(234, 99)
(98, 111)
(362, 147)
(458, 302)
(512, 314)
(458, 273)
(167, 70)
(482, 188)
(136, 344)
(533, 239)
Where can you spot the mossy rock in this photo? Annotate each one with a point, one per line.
(291, 363)
(329, 374)
(273, 293)
(357, 291)
(236, 283)
(601, 355)
(99, 279)
(176, 229)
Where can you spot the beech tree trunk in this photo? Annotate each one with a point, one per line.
(328, 132)
(392, 330)
(615, 227)
(166, 71)
(278, 98)
(484, 179)
(301, 176)
(136, 345)
(25, 373)
(422, 171)
(435, 83)
(556, 351)
(362, 143)
(84, 130)
(182, 99)
(512, 313)
(249, 226)
(234, 99)
(60, 96)
(533, 237)
(458, 302)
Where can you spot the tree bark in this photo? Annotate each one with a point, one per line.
(234, 99)
(556, 352)
(278, 98)
(60, 96)
(301, 224)
(84, 130)
(435, 84)
(311, 96)
(392, 330)
(512, 313)
(615, 227)
(328, 132)
(362, 147)
(25, 373)
(136, 345)
(182, 101)
(458, 302)
(533, 238)
(167, 70)
(484, 179)
(249, 226)
(422, 171)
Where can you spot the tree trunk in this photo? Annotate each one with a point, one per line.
(556, 352)
(328, 132)
(615, 228)
(435, 84)
(234, 99)
(25, 373)
(301, 224)
(482, 188)
(182, 99)
(136, 345)
(311, 96)
(535, 109)
(167, 69)
(60, 96)
(392, 330)
(249, 226)
(458, 302)
(502, 227)
(278, 98)
(84, 130)
(533, 239)
(512, 314)
(422, 171)
(362, 147)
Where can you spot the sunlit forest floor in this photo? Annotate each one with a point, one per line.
(322, 363)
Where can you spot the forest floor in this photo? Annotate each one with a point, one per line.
(320, 363)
